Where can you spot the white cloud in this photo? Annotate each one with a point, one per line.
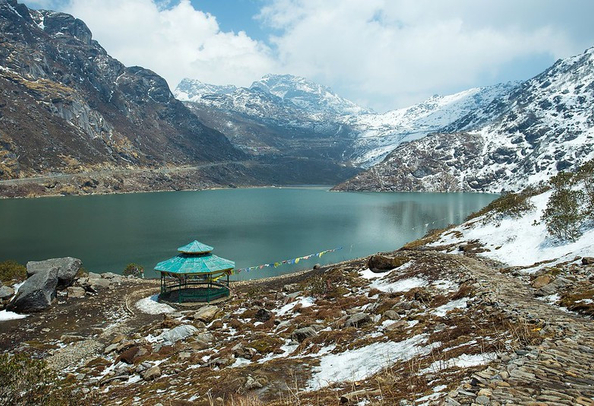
(176, 42)
(394, 53)
(379, 53)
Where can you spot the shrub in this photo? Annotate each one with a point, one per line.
(12, 270)
(135, 270)
(510, 204)
(26, 381)
(562, 215)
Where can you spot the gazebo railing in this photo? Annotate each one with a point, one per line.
(193, 290)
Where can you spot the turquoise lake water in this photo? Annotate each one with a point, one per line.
(250, 226)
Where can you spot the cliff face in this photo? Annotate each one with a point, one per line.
(67, 106)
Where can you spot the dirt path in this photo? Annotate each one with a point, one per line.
(560, 369)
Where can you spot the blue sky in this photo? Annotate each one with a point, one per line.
(383, 54)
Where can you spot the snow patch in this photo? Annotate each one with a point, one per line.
(6, 315)
(361, 363)
(403, 285)
(150, 305)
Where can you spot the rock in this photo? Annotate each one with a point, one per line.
(381, 263)
(391, 315)
(251, 383)
(482, 400)
(541, 281)
(67, 269)
(112, 277)
(588, 261)
(240, 351)
(205, 337)
(110, 348)
(76, 292)
(151, 373)
(94, 282)
(6, 292)
(206, 313)
(178, 333)
(303, 333)
(263, 315)
(357, 320)
(36, 294)
(128, 355)
(292, 287)
(399, 325)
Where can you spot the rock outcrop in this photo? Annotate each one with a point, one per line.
(37, 293)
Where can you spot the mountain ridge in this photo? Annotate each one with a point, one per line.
(543, 126)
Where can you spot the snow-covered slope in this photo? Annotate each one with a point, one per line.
(520, 240)
(379, 134)
(544, 126)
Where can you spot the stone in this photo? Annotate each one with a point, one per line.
(36, 294)
(251, 383)
(541, 281)
(291, 287)
(6, 292)
(303, 333)
(357, 320)
(382, 263)
(399, 325)
(588, 261)
(128, 355)
(205, 337)
(206, 313)
(76, 292)
(110, 348)
(67, 269)
(263, 315)
(151, 373)
(482, 400)
(391, 315)
(178, 333)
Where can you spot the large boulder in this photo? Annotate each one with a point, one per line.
(67, 269)
(36, 294)
(382, 263)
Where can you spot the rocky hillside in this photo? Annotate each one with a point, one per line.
(542, 127)
(67, 106)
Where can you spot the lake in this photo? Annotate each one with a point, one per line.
(250, 226)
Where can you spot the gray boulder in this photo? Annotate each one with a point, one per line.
(67, 269)
(303, 333)
(178, 333)
(6, 292)
(36, 294)
(357, 320)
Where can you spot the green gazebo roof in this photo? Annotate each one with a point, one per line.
(195, 258)
(195, 247)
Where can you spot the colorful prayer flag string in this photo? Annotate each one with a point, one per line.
(286, 261)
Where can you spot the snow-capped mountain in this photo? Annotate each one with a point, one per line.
(543, 126)
(379, 134)
(280, 115)
(297, 95)
(295, 108)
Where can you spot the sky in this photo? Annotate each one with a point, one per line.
(381, 54)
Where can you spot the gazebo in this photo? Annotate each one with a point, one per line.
(193, 275)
